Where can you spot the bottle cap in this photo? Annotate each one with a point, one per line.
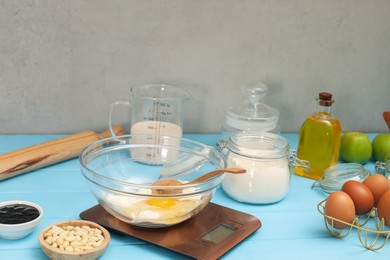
(325, 99)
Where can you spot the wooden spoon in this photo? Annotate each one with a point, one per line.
(386, 116)
(209, 175)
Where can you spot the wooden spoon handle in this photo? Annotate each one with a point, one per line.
(217, 172)
(386, 116)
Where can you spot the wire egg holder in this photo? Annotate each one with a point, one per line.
(359, 222)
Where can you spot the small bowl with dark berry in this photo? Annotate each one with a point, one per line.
(18, 218)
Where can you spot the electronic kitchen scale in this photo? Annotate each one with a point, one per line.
(208, 235)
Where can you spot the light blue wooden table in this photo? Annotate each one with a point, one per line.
(291, 229)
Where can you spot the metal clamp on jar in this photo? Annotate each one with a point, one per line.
(266, 159)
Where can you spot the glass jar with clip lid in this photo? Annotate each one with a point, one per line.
(267, 159)
(383, 168)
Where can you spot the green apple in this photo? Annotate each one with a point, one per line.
(381, 146)
(387, 157)
(355, 147)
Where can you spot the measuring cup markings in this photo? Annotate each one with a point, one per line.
(156, 109)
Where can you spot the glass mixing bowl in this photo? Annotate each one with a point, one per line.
(121, 171)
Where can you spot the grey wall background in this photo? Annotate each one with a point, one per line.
(63, 62)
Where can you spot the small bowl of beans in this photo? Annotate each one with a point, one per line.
(18, 218)
(74, 239)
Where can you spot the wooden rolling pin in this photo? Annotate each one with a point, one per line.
(44, 154)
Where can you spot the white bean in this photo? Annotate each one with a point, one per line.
(86, 228)
(70, 238)
(74, 238)
(49, 240)
(59, 240)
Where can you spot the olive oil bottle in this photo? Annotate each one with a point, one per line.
(319, 139)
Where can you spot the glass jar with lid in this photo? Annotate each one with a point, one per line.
(336, 175)
(265, 157)
(383, 168)
(253, 114)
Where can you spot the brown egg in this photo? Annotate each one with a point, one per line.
(361, 196)
(383, 208)
(339, 206)
(378, 184)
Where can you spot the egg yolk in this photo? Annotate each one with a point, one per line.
(162, 203)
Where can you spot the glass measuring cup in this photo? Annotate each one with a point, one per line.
(155, 110)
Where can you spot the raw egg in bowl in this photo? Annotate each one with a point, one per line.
(120, 172)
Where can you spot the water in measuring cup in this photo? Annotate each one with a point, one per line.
(156, 155)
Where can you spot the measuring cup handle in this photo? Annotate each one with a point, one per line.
(112, 106)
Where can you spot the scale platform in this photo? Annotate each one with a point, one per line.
(208, 235)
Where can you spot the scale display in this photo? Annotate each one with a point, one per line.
(207, 235)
